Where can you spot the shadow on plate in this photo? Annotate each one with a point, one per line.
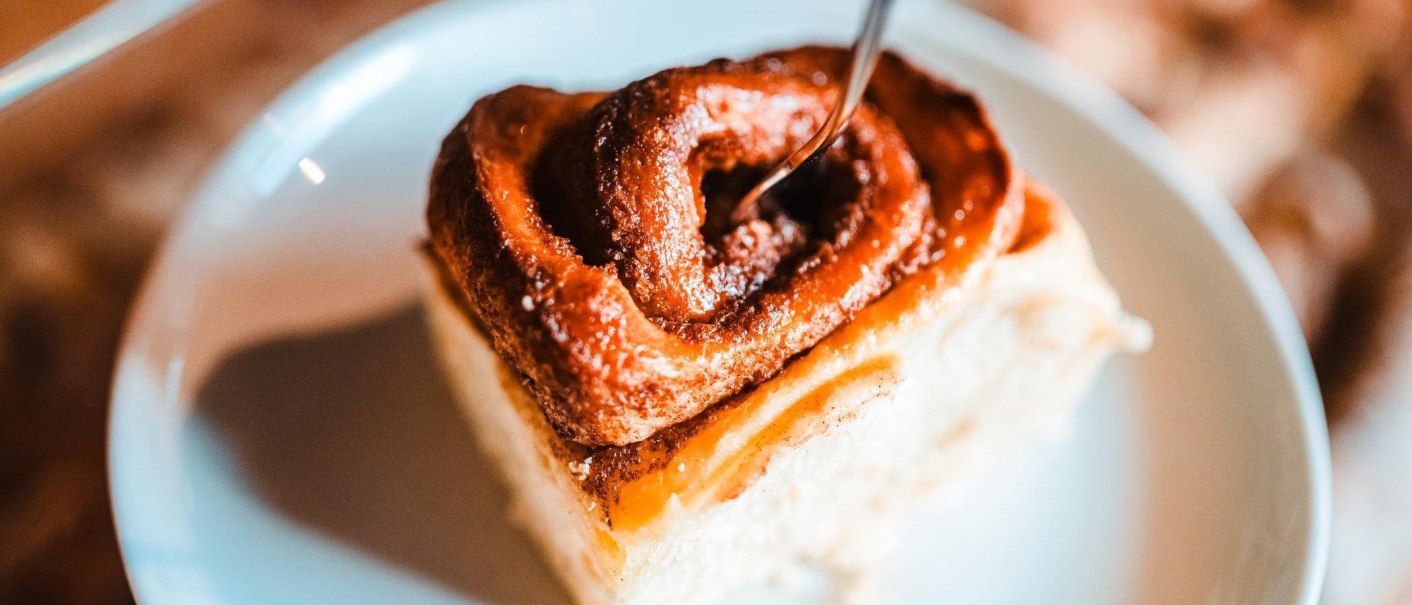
(354, 434)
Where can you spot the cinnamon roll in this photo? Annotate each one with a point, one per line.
(661, 374)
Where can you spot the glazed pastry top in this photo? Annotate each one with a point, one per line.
(590, 233)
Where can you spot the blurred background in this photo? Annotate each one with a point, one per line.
(1300, 110)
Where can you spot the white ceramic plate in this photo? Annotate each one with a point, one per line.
(280, 434)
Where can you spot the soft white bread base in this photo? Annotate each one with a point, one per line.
(999, 358)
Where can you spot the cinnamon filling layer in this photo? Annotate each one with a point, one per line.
(590, 233)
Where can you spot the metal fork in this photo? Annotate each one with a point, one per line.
(866, 49)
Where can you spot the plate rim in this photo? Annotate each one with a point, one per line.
(1086, 96)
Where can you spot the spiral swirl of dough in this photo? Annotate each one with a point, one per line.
(590, 235)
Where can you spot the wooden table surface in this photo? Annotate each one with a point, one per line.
(92, 171)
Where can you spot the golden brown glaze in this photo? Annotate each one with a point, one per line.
(587, 232)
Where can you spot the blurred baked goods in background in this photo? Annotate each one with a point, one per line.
(1298, 109)
(1315, 218)
(1240, 85)
(1301, 110)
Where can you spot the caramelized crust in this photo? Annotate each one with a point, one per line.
(586, 232)
(631, 484)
